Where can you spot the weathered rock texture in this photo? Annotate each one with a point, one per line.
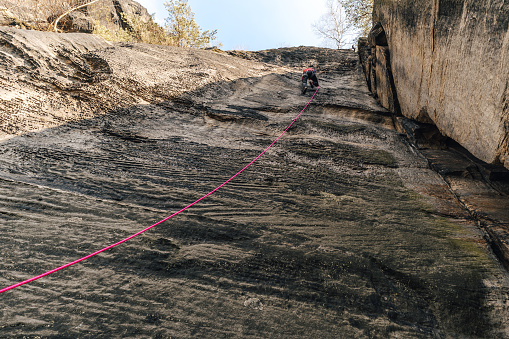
(448, 61)
(48, 77)
(108, 13)
(323, 237)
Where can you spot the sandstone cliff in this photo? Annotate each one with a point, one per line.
(323, 237)
(49, 79)
(446, 63)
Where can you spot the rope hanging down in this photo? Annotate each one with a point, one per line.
(165, 219)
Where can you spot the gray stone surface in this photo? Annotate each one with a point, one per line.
(449, 61)
(340, 230)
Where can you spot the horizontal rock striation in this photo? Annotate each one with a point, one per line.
(48, 79)
(323, 237)
(447, 62)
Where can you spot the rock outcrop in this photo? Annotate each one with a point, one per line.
(108, 13)
(49, 79)
(445, 63)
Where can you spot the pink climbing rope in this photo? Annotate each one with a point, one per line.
(165, 219)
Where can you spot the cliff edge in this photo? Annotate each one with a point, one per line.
(445, 63)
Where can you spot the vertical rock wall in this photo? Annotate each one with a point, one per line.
(449, 63)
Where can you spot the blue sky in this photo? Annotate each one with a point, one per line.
(254, 24)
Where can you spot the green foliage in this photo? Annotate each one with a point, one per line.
(147, 32)
(180, 29)
(359, 13)
(137, 30)
(117, 35)
(183, 28)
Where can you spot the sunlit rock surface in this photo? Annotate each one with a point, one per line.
(449, 63)
(341, 230)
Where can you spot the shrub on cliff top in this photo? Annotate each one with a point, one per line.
(136, 30)
(181, 25)
(180, 29)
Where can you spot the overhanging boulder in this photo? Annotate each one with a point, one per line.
(449, 61)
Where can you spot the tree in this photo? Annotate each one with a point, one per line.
(359, 13)
(345, 16)
(181, 25)
(332, 25)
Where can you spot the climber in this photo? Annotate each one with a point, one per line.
(308, 74)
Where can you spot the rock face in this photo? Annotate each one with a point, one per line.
(106, 12)
(323, 237)
(57, 73)
(447, 62)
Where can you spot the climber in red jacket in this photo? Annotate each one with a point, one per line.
(308, 74)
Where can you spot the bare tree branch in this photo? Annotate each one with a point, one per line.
(333, 25)
(352, 16)
(71, 10)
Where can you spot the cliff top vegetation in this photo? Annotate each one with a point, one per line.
(123, 21)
